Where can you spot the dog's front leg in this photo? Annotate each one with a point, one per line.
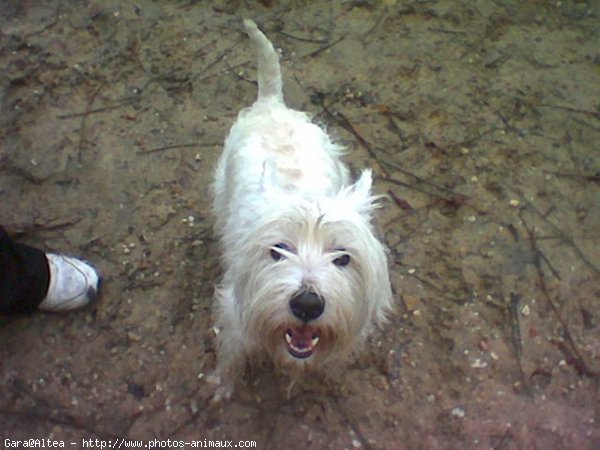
(230, 347)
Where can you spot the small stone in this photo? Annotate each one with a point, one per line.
(134, 336)
(478, 364)
(458, 412)
(411, 302)
(514, 202)
(381, 383)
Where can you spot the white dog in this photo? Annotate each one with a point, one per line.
(306, 280)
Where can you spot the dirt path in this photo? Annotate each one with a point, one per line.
(482, 123)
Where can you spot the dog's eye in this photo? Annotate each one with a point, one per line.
(275, 254)
(342, 261)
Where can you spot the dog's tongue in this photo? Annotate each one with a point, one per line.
(301, 341)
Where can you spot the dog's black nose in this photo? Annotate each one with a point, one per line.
(307, 306)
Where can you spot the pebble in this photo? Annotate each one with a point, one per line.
(134, 336)
(458, 412)
(411, 302)
(479, 364)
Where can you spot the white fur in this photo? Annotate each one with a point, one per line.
(280, 180)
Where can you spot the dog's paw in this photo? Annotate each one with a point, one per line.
(223, 389)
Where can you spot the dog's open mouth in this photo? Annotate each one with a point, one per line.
(301, 341)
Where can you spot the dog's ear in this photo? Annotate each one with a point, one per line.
(363, 185)
(360, 193)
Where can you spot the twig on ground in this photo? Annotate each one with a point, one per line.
(527, 204)
(117, 105)
(516, 338)
(594, 178)
(26, 229)
(12, 169)
(303, 39)
(67, 422)
(576, 358)
(175, 146)
(83, 126)
(504, 439)
(325, 47)
(446, 31)
(594, 114)
(343, 122)
(401, 203)
(216, 61)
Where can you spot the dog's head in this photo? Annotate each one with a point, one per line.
(313, 278)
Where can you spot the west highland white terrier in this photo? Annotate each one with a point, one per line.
(305, 278)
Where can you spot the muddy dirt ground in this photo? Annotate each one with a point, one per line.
(481, 120)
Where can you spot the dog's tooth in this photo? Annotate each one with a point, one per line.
(314, 341)
(288, 337)
(298, 349)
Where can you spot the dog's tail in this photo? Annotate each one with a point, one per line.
(269, 71)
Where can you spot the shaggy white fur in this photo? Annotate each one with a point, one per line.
(305, 278)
